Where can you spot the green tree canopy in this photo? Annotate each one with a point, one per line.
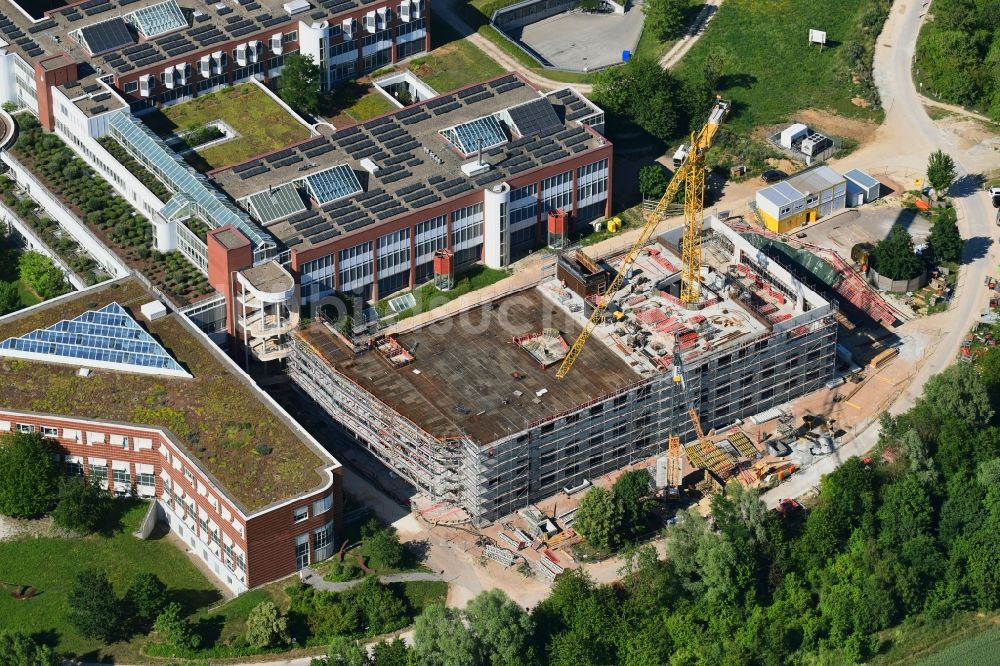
(652, 181)
(10, 300)
(266, 626)
(940, 171)
(945, 241)
(298, 85)
(42, 275)
(504, 629)
(94, 608)
(175, 629)
(19, 649)
(646, 93)
(959, 392)
(82, 505)
(665, 18)
(382, 546)
(440, 638)
(600, 519)
(29, 477)
(146, 598)
(894, 258)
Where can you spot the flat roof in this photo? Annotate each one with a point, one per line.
(471, 380)
(206, 24)
(417, 166)
(861, 178)
(268, 277)
(218, 416)
(229, 238)
(780, 193)
(815, 180)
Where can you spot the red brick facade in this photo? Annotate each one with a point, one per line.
(244, 551)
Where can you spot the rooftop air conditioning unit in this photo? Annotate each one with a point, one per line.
(404, 11)
(183, 73)
(276, 43)
(418, 9)
(382, 16)
(814, 144)
(146, 84)
(475, 168)
(241, 55)
(168, 77)
(369, 166)
(205, 67)
(253, 50)
(350, 27)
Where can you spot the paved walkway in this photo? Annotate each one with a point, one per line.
(311, 577)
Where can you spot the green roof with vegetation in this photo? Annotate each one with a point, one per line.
(263, 125)
(251, 450)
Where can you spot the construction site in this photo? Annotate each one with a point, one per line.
(469, 409)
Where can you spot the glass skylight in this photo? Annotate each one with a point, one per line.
(467, 137)
(275, 204)
(158, 19)
(212, 205)
(107, 338)
(333, 183)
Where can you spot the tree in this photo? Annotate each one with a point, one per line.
(82, 505)
(28, 475)
(646, 93)
(894, 258)
(959, 392)
(94, 608)
(440, 638)
(652, 181)
(343, 652)
(39, 272)
(503, 628)
(19, 649)
(940, 171)
(665, 18)
(10, 300)
(175, 629)
(146, 598)
(631, 490)
(266, 626)
(600, 519)
(945, 241)
(394, 653)
(382, 609)
(298, 85)
(382, 546)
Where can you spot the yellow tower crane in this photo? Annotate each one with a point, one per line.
(691, 172)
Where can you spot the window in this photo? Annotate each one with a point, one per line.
(145, 479)
(467, 227)
(323, 541)
(189, 476)
(99, 475)
(131, 86)
(49, 431)
(290, 36)
(302, 551)
(227, 552)
(240, 563)
(300, 514)
(121, 476)
(74, 467)
(323, 505)
(25, 427)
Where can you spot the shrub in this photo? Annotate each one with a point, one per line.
(266, 626)
(146, 598)
(384, 549)
(175, 629)
(81, 505)
(19, 649)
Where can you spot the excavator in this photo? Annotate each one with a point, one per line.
(690, 173)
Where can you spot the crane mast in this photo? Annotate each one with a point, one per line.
(692, 174)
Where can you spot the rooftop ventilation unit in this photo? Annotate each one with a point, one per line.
(475, 168)
(814, 144)
(276, 44)
(296, 7)
(369, 166)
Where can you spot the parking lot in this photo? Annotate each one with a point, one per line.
(581, 42)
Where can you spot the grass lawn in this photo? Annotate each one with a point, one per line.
(421, 593)
(9, 273)
(979, 650)
(454, 65)
(370, 106)
(263, 125)
(428, 297)
(771, 71)
(50, 564)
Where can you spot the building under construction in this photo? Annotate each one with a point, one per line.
(469, 410)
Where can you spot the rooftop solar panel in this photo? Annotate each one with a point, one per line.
(107, 338)
(333, 183)
(534, 117)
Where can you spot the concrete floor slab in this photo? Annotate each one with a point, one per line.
(864, 225)
(581, 42)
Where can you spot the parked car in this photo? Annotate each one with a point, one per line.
(995, 195)
(773, 176)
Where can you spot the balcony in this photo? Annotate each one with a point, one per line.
(263, 324)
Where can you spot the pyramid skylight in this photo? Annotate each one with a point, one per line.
(107, 338)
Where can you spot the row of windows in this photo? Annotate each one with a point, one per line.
(394, 252)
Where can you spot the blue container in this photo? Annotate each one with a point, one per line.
(626, 55)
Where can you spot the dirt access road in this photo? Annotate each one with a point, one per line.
(903, 142)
